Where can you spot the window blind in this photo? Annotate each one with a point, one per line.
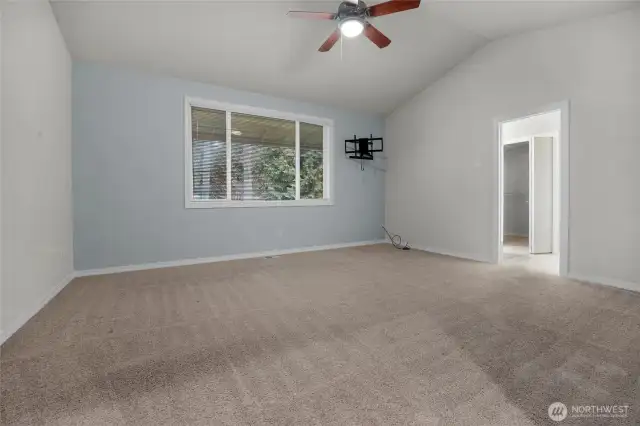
(311, 161)
(209, 154)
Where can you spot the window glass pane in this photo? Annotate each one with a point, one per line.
(209, 154)
(262, 158)
(311, 173)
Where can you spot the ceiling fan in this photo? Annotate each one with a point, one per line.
(352, 20)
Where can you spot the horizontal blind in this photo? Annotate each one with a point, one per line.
(311, 161)
(262, 158)
(209, 154)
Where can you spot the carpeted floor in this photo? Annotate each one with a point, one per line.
(515, 252)
(367, 335)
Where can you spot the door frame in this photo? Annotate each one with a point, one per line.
(498, 201)
(532, 188)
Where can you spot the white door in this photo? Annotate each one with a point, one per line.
(541, 195)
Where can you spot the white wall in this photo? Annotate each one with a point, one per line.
(523, 129)
(37, 252)
(516, 189)
(439, 199)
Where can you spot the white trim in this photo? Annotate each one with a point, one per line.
(262, 112)
(458, 255)
(531, 219)
(528, 138)
(610, 282)
(565, 225)
(197, 261)
(297, 153)
(328, 163)
(213, 204)
(27, 315)
(565, 141)
(227, 120)
(188, 153)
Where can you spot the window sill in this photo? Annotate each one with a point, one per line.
(191, 204)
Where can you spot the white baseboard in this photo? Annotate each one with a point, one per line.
(459, 255)
(626, 285)
(196, 261)
(28, 314)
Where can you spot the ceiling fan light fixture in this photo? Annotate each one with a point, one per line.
(351, 27)
(352, 18)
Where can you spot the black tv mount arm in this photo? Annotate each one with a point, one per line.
(362, 148)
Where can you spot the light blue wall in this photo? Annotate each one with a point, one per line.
(128, 177)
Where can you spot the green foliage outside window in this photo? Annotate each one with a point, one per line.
(274, 174)
(311, 175)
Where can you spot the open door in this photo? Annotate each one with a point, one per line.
(541, 195)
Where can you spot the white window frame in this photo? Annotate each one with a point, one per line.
(327, 156)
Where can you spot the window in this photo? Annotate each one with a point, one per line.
(248, 157)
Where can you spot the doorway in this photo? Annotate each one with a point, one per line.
(528, 216)
(532, 191)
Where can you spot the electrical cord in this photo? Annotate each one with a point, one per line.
(396, 240)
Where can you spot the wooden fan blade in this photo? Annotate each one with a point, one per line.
(323, 16)
(373, 34)
(328, 44)
(392, 6)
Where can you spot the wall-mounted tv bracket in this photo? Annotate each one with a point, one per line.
(362, 148)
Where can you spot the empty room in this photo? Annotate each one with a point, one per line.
(325, 212)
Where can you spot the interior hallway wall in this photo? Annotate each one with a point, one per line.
(541, 124)
(516, 189)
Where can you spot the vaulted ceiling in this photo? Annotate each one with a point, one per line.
(252, 45)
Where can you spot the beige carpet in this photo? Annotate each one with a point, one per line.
(362, 336)
(516, 253)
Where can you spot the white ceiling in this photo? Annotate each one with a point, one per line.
(252, 45)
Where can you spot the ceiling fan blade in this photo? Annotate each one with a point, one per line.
(373, 34)
(324, 16)
(328, 44)
(392, 6)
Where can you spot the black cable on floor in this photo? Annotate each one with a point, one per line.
(396, 240)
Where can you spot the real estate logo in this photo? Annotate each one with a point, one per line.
(558, 411)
